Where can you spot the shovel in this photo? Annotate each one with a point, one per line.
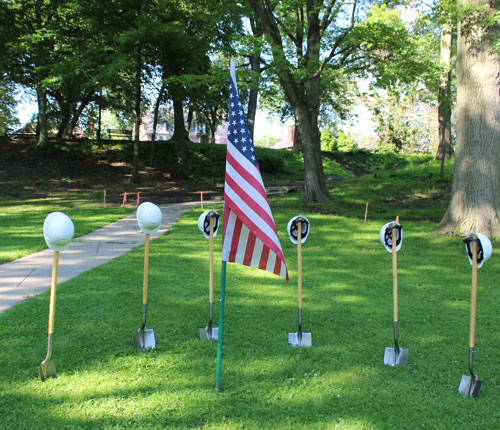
(395, 356)
(471, 385)
(144, 338)
(209, 332)
(299, 338)
(47, 367)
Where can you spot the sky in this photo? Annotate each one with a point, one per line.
(265, 125)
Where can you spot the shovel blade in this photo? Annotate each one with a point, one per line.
(144, 339)
(206, 334)
(306, 340)
(47, 370)
(470, 386)
(394, 358)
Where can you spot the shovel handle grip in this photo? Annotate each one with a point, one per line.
(394, 274)
(472, 330)
(146, 270)
(53, 284)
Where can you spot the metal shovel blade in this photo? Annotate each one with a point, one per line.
(144, 339)
(393, 357)
(206, 334)
(470, 386)
(295, 340)
(47, 370)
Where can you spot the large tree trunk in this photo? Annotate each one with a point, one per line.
(314, 178)
(475, 204)
(445, 148)
(253, 96)
(64, 124)
(155, 124)
(43, 136)
(180, 140)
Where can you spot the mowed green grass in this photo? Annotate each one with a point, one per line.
(338, 383)
(21, 222)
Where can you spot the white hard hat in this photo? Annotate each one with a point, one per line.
(385, 235)
(149, 217)
(58, 230)
(292, 228)
(484, 248)
(204, 223)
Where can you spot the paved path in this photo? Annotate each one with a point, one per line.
(30, 275)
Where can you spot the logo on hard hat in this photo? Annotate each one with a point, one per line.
(386, 233)
(58, 230)
(204, 223)
(149, 217)
(293, 229)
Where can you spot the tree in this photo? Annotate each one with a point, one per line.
(310, 37)
(475, 198)
(7, 106)
(446, 14)
(32, 23)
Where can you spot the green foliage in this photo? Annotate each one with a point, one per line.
(342, 142)
(7, 106)
(328, 141)
(267, 141)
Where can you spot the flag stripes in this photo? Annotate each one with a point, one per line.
(249, 235)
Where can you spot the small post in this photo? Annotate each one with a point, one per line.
(138, 199)
(201, 199)
(124, 203)
(366, 211)
(104, 197)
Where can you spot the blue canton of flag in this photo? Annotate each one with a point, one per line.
(238, 132)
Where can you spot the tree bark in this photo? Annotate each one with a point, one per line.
(253, 96)
(189, 120)
(155, 124)
(445, 148)
(180, 140)
(43, 136)
(475, 202)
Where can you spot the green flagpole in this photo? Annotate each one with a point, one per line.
(221, 324)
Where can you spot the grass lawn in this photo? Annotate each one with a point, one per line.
(338, 383)
(21, 222)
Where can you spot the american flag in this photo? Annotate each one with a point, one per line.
(249, 235)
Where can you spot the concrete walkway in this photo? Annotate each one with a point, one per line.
(31, 275)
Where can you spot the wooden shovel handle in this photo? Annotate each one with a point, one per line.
(211, 268)
(146, 270)
(394, 272)
(53, 284)
(473, 296)
(299, 260)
